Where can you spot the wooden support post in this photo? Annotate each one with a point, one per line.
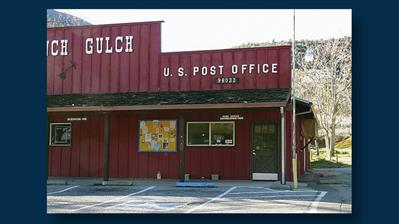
(106, 148)
(181, 132)
(283, 147)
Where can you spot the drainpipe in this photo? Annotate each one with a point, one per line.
(282, 145)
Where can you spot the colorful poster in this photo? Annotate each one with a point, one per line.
(157, 136)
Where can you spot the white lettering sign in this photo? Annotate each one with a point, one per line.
(218, 70)
(76, 119)
(93, 45)
(231, 117)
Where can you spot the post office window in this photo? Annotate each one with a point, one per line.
(222, 133)
(198, 133)
(60, 134)
(210, 133)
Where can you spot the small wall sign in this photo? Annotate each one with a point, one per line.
(227, 80)
(231, 117)
(76, 119)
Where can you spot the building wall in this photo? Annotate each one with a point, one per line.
(143, 69)
(84, 158)
(105, 73)
(227, 58)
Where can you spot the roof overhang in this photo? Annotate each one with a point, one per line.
(166, 107)
(215, 99)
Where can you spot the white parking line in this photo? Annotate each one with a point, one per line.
(56, 192)
(253, 187)
(153, 206)
(277, 196)
(271, 192)
(211, 200)
(115, 199)
(316, 202)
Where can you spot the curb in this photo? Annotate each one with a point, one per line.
(288, 186)
(117, 183)
(57, 182)
(329, 181)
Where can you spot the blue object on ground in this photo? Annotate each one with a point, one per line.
(195, 184)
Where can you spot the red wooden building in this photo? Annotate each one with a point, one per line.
(120, 108)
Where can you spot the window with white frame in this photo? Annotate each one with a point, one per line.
(60, 134)
(214, 133)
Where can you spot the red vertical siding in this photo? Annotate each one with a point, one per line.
(155, 47)
(86, 65)
(113, 146)
(84, 149)
(142, 69)
(106, 72)
(164, 83)
(273, 78)
(174, 80)
(228, 61)
(50, 67)
(77, 58)
(250, 57)
(238, 59)
(227, 58)
(185, 81)
(284, 68)
(135, 60)
(133, 154)
(123, 147)
(75, 149)
(124, 78)
(145, 34)
(94, 147)
(115, 64)
(67, 83)
(96, 66)
(84, 158)
(195, 80)
(216, 60)
(206, 61)
(58, 66)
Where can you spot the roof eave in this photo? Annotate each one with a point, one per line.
(166, 107)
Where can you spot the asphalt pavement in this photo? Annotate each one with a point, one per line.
(162, 196)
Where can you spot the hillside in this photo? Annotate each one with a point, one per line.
(59, 19)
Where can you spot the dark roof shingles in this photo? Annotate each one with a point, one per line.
(170, 98)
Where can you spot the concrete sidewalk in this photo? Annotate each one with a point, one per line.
(337, 182)
(170, 182)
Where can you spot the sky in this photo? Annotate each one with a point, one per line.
(187, 30)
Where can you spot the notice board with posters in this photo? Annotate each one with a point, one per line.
(157, 136)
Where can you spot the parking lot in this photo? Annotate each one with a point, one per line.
(164, 197)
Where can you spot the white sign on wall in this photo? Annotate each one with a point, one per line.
(93, 45)
(231, 117)
(212, 70)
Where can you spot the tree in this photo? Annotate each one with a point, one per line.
(327, 82)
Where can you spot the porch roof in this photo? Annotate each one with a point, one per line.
(248, 98)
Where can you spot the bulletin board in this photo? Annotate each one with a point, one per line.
(157, 136)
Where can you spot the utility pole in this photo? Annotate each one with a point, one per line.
(294, 161)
